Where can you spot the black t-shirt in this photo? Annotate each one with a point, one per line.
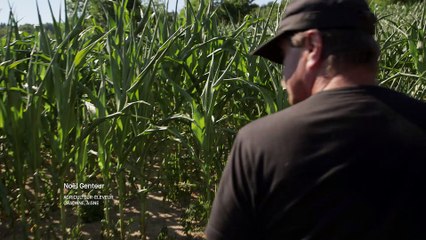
(343, 164)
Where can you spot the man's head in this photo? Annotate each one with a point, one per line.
(321, 38)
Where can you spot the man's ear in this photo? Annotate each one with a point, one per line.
(313, 45)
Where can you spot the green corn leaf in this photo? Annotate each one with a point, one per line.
(79, 57)
(198, 124)
(16, 63)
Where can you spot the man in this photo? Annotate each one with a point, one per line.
(347, 160)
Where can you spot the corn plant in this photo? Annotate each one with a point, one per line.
(402, 38)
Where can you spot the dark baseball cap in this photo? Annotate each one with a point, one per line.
(302, 15)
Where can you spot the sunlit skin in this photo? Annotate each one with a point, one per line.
(304, 72)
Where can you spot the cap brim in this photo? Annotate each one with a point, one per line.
(270, 50)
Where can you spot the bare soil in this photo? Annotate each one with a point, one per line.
(163, 221)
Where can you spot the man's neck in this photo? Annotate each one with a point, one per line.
(355, 77)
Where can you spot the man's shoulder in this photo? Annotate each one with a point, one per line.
(269, 124)
(330, 110)
(293, 118)
(411, 109)
(281, 126)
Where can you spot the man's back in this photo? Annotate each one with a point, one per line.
(343, 164)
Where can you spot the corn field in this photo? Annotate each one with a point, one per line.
(142, 107)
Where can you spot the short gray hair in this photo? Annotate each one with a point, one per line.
(345, 48)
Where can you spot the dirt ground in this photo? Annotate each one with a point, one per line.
(163, 219)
